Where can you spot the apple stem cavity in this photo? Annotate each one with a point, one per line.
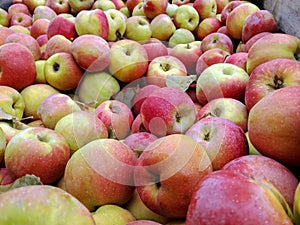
(55, 67)
(278, 83)
(165, 66)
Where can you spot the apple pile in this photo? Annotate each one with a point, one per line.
(148, 112)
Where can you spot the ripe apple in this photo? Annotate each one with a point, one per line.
(238, 58)
(5, 176)
(168, 110)
(167, 172)
(181, 36)
(4, 33)
(63, 24)
(78, 5)
(101, 172)
(131, 4)
(57, 43)
(152, 8)
(137, 125)
(17, 8)
(103, 5)
(58, 6)
(171, 9)
(138, 29)
(39, 27)
(221, 80)
(253, 39)
(269, 137)
(17, 66)
(43, 12)
(217, 40)
(116, 23)
(20, 29)
(45, 154)
(32, 4)
(21, 19)
(155, 48)
(228, 9)
(205, 8)
(270, 76)
(186, 16)
(207, 26)
(222, 139)
(221, 5)
(162, 27)
(138, 10)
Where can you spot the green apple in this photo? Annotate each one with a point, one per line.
(117, 24)
(103, 5)
(40, 75)
(162, 27)
(79, 5)
(4, 20)
(186, 16)
(138, 29)
(181, 36)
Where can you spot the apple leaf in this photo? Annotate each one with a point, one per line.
(181, 82)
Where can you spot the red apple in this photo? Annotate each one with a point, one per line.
(17, 8)
(43, 12)
(21, 19)
(238, 58)
(217, 40)
(253, 39)
(155, 48)
(63, 24)
(39, 27)
(152, 8)
(58, 6)
(4, 33)
(57, 43)
(228, 9)
(207, 26)
(205, 8)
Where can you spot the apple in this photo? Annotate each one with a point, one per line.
(4, 33)
(128, 60)
(221, 80)
(238, 58)
(131, 4)
(163, 66)
(4, 19)
(171, 9)
(260, 167)
(181, 36)
(33, 95)
(264, 132)
(116, 116)
(39, 27)
(217, 40)
(138, 29)
(226, 196)
(17, 66)
(117, 24)
(3, 176)
(228, 9)
(58, 6)
(207, 26)
(43, 12)
(162, 27)
(222, 139)
(78, 5)
(253, 39)
(138, 10)
(236, 19)
(272, 46)
(270, 76)
(45, 154)
(167, 172)
(38, 204)
(99, 26)
(21, 19)
(19, 29)
(137, 125)
(221, 5)
(267, 23)
(54, 107)
(103, 5)
(205, 8)
(17, 8)
(186, 16)
(63, 24)
(90, 52)
(155, 48)
(32, 4)
(8, 130)
(101, 172)
(152, 8)
(57, 43)
(62, 72)
(119, 4)
(168, 110)
(143, 222)
(180, 2)
(296, 209)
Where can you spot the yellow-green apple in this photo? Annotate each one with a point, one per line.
(77, 6)
(228, 9)
(238, 59)
(272, 46)
(131, 4)
(17, 66)
(296, 207)
(32, 4)
(253, 39)
(4, 19)
(181, 36)
(2, 150)
(226, 196)
(138, 10)
(141, 212)
(17, 8)
(4, 33)
(251, 27)
(54, 107)
(162, 27)
(236, 19)
(222, 139)
(33, 95)
(171, 9)
(270, 76)
(227, 108)
(138, 29)
(221, 80)
(210, 57)
(167, 172)
(39, 204)
(161, 67)
(205, 8)
(128, 60)
(63, 24)
(207, 26)
(116, 116)
(217, 40)
(6, 177)
(58, 6)
(92, 22)
(116, 23)
(155, 48)
(267, 134)
(110, 214)
(168, 110)
(188, 54)
(95, 88)
(101, 172)
(80, 128)
(143, 222)
(43, 12)
(90, 52)
(62, 71)
(186, 16)
(39, 27)
(45, 154)
(57, 43)
(28, 41)
(20, 29)
(21, 19)
(103, 5)
(252, 149)
(260, 167)
(221, 5)
(152, 8)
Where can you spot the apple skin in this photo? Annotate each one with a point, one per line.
(43, 12)
(131, 4)
(32, 4)
(155, 48)
(138, 29)
(260, 167)
(94, 185)
(207, 26)
(221, 80)
(39, 27)
(17, 8)
(6, 177)
(163, 187)
(238, 58)
(162, 27)
(267, 135)
(21, 19)
(17, 66)
(38, 204)
(270, 76)
(4, 33)
(217, 40)
(205, 8)
(91, 52)
(186, 16)
(77, 6)
(226, 196)
(57, 43)
(63, 24)
(222, 139)
(296, 207)
(45, 154)
(168, 110)
(221, 5)
(253, 39)
(143, 222)
(272, 46)
(116, 23)
(181, 36)
(58, 6)
(152, 8)
(137, 125)
(228, 9)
